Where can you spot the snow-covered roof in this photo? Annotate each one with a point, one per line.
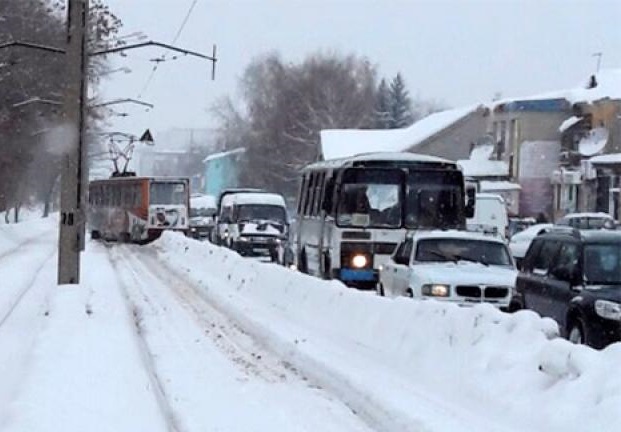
(489, 196)
(380, 156)
(612, 158)
(498, 185)
(203, 201)
(597, 215)
(224, 154)
(569, 123)
(254, 198)
(608, 86)
(483, 168)
(341, 143)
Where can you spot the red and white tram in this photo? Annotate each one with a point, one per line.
(138, 209)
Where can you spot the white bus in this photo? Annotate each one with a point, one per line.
(353, 212)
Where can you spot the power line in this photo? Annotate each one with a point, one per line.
(163, 58)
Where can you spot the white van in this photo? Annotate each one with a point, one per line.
(490, 214)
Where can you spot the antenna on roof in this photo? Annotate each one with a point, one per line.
(599, 60)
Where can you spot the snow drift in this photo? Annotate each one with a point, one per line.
(394, 361)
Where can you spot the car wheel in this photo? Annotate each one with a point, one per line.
(576, 332)
(380, 290)
(409, 293)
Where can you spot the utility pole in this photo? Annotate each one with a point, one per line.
(71, 239)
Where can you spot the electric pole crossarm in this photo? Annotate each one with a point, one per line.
(161, 45)
(33, 46)
(121, 101)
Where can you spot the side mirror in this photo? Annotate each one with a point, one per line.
(471, 198)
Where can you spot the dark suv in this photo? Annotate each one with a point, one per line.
(574, 277)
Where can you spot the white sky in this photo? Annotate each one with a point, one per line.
(456, 51)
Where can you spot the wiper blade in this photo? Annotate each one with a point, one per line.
(465, 258)
(441, 255)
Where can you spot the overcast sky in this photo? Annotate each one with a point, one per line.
(458, 51)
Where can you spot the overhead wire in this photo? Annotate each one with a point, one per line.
(163, 57)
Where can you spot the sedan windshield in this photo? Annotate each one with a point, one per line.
(448, 249)
(602, 264)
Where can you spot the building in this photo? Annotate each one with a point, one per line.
(447, 134)
(222, 171)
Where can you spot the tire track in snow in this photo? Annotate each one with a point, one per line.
(29, 285)
(145, 353)
(233, 341)
(177, 316)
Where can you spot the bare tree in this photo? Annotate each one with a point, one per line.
(29, 163)
(287, 105)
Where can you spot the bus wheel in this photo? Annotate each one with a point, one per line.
(95, 235)
(125, 237)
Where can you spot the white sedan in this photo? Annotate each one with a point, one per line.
(455, 266)
(521, 241)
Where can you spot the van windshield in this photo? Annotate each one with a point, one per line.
(263, 212)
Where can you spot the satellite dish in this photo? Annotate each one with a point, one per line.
(594, 142)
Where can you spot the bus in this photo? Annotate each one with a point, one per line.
(138, 209)
(353, 212)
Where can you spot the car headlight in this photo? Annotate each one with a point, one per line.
(359, 261)
(607, 309)
(243, 239)
(225, 234)
(436, 290)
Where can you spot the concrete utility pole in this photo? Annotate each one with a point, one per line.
(71, 239)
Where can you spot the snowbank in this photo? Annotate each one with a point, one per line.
(395, 361)
(84, 371)
(14, 235)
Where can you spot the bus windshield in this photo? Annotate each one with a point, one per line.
(167, 193)
(371, 198)
(435, 199)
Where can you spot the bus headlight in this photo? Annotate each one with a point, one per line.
(436, 290)
(359, 261)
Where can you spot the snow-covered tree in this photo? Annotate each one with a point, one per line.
(382, 111)
(401, 104)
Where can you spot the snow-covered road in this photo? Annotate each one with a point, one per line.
(210, 374)
(185, 336)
